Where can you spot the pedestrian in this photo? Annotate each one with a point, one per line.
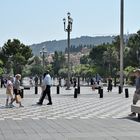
(17, 91)
(36, 80)
(9, 90)
(36, 84)
(98, 79)
(59, 81)
(93, 83)
(31, 82)
(136, 96)
(2, 82)
(47, 83)
(74, 82)
(109, 88)
(43, 87)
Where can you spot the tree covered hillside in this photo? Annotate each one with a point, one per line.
(61, 45)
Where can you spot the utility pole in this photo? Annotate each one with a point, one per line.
(121, 42)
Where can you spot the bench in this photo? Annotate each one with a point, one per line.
(136, 109)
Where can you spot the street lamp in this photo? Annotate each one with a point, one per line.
(43, 52)
(68, 29)
(121, 42)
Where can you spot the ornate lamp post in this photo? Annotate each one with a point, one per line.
(43, 52)
(68, 29)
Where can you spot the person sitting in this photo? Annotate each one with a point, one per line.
(136, 96)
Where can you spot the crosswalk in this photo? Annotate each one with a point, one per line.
(69, 108)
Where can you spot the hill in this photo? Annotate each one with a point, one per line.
(60, 45)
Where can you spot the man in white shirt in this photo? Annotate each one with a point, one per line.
(46, 82)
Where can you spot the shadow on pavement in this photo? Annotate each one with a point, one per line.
(131, 118)
(3, 107)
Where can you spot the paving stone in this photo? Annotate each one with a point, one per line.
(86, 117)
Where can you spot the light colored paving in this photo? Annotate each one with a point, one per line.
(88, 105)
(87, 117)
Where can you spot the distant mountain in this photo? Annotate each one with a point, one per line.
(60, 45)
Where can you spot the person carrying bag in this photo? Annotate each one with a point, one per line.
(17, 90)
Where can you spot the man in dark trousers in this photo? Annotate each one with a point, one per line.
(46, 82)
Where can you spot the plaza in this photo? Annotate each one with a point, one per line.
(86, 117)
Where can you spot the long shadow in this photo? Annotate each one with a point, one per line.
(36, 105)
(3, 107)
(15, 107)
(65, 95)
(131, 118)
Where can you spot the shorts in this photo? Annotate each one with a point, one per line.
(16, 92)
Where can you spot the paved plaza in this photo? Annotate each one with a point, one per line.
(86, 117)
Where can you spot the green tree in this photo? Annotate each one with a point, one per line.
(63, 72)
(1, 67)
(37, 69)
(34, 60)
(85, 59)
(110, 59)
(17, 54)
(58, 62)
(96, 54)
(133, 53)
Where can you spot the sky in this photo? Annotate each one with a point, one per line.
(36, 21)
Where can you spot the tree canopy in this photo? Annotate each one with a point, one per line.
(15, 55)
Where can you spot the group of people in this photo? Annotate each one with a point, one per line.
(95, 81)
(13, 87)
(13, 90)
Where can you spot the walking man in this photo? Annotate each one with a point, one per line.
(47, 82)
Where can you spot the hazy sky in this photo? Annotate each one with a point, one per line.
(35, 21)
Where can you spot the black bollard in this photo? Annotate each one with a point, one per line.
(22, 93)
(101, 93)
(99, 88)
(126, 93)
(75, 92)
(78, 85)
(115, 81)
(57, 88)
(138, 116)
(36, 90)
(78, 90)
(120, 90)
